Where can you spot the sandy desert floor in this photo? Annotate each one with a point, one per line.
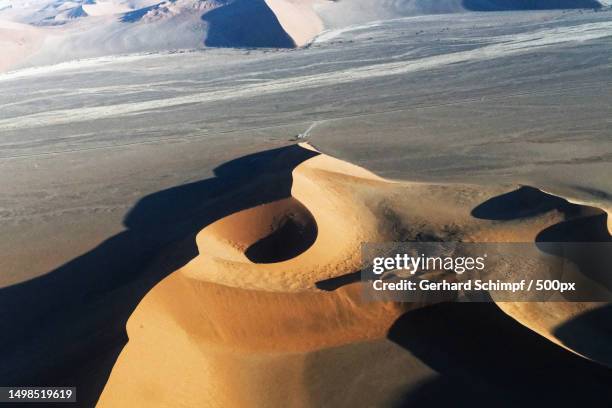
(118, 173)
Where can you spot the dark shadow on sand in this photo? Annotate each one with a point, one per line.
(521, 203)
(582, 238)
(586, 243)
(589, 333)
(137, 15)
(334, 283)
(486, 358)
(68, 326)
(492, 360)
(245, 24)
(293, 236)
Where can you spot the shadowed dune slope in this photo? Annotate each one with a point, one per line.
(245, 23)
(580, 327)
(67, 327)
(250, 314)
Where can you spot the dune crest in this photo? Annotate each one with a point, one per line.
(17, 41)
(298, 19)
(249, 311)
(321, 190)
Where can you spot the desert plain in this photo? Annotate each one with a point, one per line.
(180, 228)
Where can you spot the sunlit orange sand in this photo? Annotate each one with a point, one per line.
(247, 323)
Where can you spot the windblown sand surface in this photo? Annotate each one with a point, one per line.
(298, 19)
(111, 167)
(17, 41)
(269, 293)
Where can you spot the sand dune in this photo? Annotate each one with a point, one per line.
(113, 165)
(298, 19)
(17, 41)
(238, 325)
(575, 326)
(102, 8)
(83, 29)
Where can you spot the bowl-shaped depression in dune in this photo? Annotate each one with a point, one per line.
(269, 233)
(291, 244)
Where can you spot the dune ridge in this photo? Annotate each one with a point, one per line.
(298, 18)
(17, 41)
(242, 318)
